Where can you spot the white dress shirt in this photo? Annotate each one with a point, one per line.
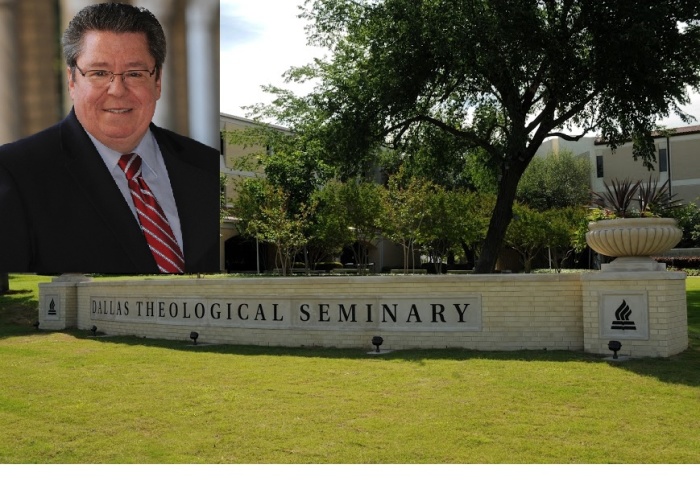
(154, 173)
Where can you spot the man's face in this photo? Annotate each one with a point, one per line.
(116, 115)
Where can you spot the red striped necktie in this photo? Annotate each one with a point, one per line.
(159, 236)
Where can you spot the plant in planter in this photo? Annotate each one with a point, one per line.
(627, 224)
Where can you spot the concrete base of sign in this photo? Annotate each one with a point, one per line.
(380, 352)
(645, 311)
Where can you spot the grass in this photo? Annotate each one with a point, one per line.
(66, 397)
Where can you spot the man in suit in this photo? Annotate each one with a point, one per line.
(105, 190)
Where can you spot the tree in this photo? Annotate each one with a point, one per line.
(362, 205)
(403, 213)
(263, 212)
(555, 182)
(432, 154)
(527, 234)
(563, 228)
(532, 230)
(499, 75)
(451, 219)
(291, 162)
(329, 227)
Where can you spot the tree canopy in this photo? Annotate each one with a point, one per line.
(498, 75)
(556, 181)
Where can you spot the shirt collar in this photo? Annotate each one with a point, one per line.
(146, 149)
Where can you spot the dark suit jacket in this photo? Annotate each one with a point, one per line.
(61, 212)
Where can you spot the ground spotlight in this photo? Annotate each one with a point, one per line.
(36, 325)
(193, 336)
(614, 346)
(377, 341)
(94, 330)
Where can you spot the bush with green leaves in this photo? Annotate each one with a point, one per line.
(688, 218)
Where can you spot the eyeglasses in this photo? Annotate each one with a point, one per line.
(130, 78)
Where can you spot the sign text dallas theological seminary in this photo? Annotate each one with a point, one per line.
(443, 312)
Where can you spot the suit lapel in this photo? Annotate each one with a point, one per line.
(193, 194)
(92, 178)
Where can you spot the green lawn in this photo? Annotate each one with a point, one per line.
(66, 397)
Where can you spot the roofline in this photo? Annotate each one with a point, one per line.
(670, 132)
(252, 122)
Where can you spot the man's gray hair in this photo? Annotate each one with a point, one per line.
(113, 17)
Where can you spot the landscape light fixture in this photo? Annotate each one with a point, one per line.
(36, 325)
(376, 341)
(193, 336)
(94, 330)
(614, 346)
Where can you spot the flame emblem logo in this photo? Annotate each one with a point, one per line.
(622, 317)
(52, 308)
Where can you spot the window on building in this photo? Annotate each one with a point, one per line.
(599, 166)
(221, 143)
(663, 160)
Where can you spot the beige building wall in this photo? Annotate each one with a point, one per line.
(682, 150)
(682, 168)
(232, 153)
(620, 164)
(581, 148)
(685, 166)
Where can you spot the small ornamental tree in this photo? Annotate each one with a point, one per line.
(404, 212)
(527, 234)
(533, 231)
(263, 214)
(329, 225)
(362, 204)
(291, 162)
(452, 218)
(563, 226)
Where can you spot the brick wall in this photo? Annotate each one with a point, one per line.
(667, 311)
(507, 312)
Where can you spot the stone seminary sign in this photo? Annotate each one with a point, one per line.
(454, 312)
(646, 311)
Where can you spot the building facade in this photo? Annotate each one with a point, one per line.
(677, 160)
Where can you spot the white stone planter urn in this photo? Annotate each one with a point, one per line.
(633, 241)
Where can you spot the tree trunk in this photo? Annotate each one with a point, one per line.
(500, 219)
(4, 282)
